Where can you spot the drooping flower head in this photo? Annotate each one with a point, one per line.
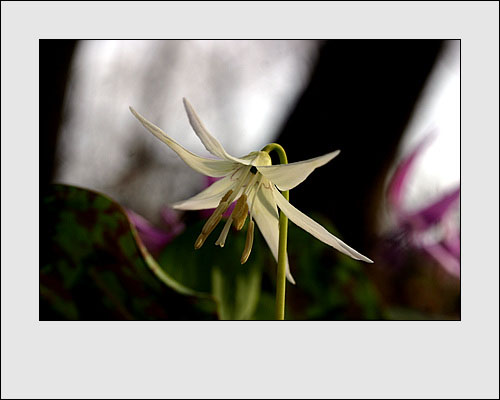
(253, 182)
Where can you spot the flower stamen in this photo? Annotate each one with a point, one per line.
(226, 196)
(241, 181)
(248, 243)
(241, 208)
(240, 212)
(240, 222)
(213, 220)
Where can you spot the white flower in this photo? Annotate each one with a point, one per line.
(254, 183)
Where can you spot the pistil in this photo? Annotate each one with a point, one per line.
(223, 235)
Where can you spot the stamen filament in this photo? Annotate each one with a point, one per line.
(237, 188)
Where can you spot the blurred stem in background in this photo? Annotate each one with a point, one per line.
(282, 254)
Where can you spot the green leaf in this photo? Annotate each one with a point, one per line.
(94, 266)
(237, 290)
(217, 271)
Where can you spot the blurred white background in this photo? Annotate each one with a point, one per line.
(437, 113)
(242, 90)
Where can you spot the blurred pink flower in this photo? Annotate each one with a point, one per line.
(155, 239)
(428, 229)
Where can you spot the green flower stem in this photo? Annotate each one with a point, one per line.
(283, 226)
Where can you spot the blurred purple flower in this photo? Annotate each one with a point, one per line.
(428, 229)
(155, 239)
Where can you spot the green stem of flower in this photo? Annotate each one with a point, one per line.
(282, 255)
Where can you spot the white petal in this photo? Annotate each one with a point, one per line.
(215, 168)
(210, 143)
(208, 198)
(265, 214)
(314, 228)
(287, 176)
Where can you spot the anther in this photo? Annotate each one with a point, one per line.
(212, 221)
(240, 219)
(242, 201)
(199, 242)
(240, 212)
(248, 243)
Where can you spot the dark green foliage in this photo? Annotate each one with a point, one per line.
(330, 285)
(92, 266)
